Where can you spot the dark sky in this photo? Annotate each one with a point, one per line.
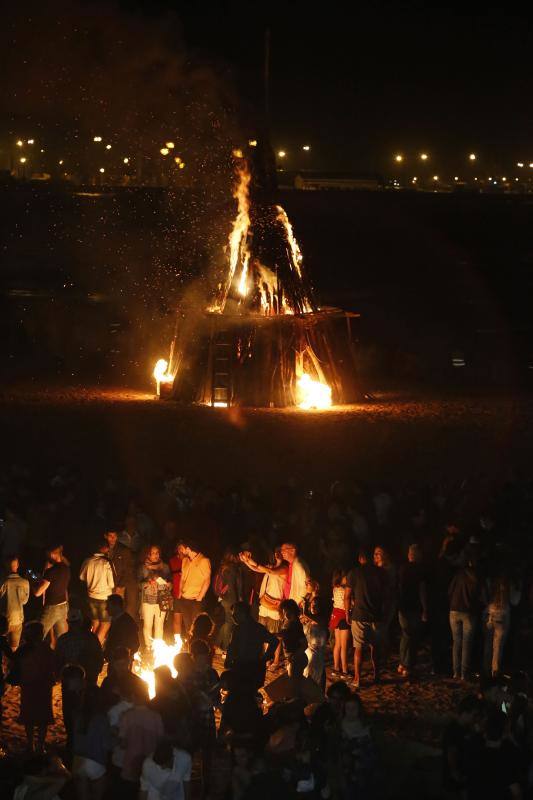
(358, 81)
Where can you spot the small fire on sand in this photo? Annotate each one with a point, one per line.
(161, 654)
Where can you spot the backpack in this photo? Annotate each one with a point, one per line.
(220, 588)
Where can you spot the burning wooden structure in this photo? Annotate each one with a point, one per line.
(263, 341)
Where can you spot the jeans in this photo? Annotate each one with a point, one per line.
(463, 626)
(55, 617)
(14, 632)
(411, 626)
(496, 626)
(226, 629)
(153, 622)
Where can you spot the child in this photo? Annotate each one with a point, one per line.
(339, 626)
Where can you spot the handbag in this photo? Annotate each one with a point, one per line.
(273, 603)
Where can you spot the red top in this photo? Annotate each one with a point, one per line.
(287, 584)
(175, 568)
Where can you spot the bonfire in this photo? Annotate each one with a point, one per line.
(262, 340)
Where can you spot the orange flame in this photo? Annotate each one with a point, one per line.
(162, 654)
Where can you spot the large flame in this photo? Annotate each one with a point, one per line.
(312, 394)
(161, 375)
(249, 281)
(161, 654)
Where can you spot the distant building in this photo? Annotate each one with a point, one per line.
(337, 180)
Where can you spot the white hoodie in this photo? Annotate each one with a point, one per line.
(97, 573)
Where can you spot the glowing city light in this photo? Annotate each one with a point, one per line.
(126, 160)
(424, 156)
(472, 157)
(108, 147)
(31, 141)
(435, 177)
(306, 147)
(60, 162)
(102, 169)
(531, 165)
(164, 151)
(22, 160)
(181, 165)
(456, 178)
(520, 164)
(170, 145)
(20, 143)
(97, 139)
(398, 158)
(414, 179)
(252, 142)
(281, 153)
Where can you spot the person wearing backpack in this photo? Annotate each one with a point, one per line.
(228, 589)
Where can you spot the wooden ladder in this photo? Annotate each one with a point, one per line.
(221, 376)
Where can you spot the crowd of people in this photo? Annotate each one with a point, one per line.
(289, 603)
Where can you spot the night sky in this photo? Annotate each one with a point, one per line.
(361, 81)
(356, 82)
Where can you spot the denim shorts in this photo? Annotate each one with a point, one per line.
(98, 610)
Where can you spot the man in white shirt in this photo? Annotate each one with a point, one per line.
(97, 573)
(14, 594)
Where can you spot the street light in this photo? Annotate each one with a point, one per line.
(531, 165)
(60, 162)
(306, 147)
(20, 143)
(108, 147)
(181, 165)
(520, 164)
(102, 169)
(424, 156)
(31, 141)
(164, 151)
(435, 177)
(22, 160)
(97, 139)
(252, 142)
(281, 153)
(170, 145)
(126, 160)
(472, 157)
(398, 158)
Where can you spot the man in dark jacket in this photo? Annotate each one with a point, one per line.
(251, 646)
(366, 588)
(412, 608)
(124, 631)
(465, 595)
(80, 646)
(122, 563)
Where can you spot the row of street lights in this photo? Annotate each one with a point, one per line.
(400, 158)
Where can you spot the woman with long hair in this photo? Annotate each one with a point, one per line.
(502, 593)
(155, 585)
(339, 627)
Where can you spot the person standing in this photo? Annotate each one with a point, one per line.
(122, 562)
(154, 576)
(295, 573)
(53, 587)
(140, 731)
(123, 632)
(412, 608)
(80, 646)
(14, 594)
(364, 599)
(35, 665)
(465, 595)
(502, 594)
(97, 573)
(228, 589)
(195, 581)
(338, 625)
(251, 647)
